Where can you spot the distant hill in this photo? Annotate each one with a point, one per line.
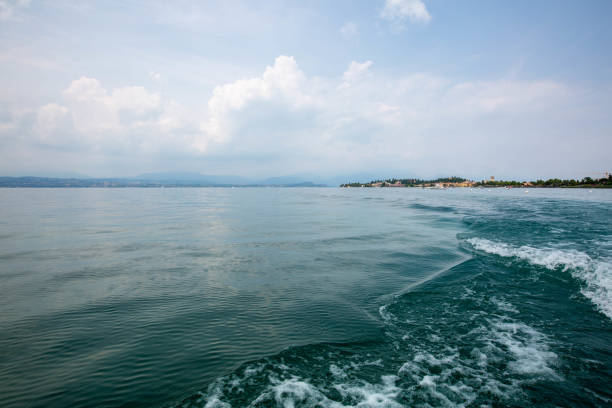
(283, 180)
(196, 177)
(231, 180)
(153, 180)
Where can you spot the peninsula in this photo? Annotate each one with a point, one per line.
(446, 182)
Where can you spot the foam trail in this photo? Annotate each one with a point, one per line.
(528, 347)
(596, 274)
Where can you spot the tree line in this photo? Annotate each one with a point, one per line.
(604, 182)
(408, 182)
(555, 182)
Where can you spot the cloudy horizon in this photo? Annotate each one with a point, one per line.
(267, 88)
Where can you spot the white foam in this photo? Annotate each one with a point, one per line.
(213, 398)
(385, 314)
(293, 392)
(436, 377)
(373, 395)
(428, 358)
(503, 305)
(549, 258)
(337, 371)
(428, 381)
(528, 346)
(599, 286)
(446, 377)
(253, 370)
(367, 363)
(449, 380)
(215, 402)
(596, 275)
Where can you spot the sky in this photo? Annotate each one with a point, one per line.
(403, 88)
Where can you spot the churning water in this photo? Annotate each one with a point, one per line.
(270, 297)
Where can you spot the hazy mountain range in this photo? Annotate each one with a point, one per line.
(181, 179)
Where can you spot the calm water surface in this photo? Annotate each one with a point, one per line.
(323, 297)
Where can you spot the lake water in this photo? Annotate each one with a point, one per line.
(305, 297)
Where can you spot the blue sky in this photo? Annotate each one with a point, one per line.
(263, 88)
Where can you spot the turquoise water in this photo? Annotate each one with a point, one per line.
(323, 297)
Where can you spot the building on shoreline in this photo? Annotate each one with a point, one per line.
(447, 182)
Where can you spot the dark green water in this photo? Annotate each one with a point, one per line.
(305, 298)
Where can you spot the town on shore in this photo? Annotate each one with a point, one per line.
(446, 182)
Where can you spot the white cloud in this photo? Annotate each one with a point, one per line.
(282, 81)
(92, 107)
(355, 71)
(10, 8)
(482, 97)
(129, 117)
(88, 95)
(349, 30)
(213, 103)
(363, 117)
(86, 89)
(399, 10)
(53, 121)
(358, 120)
(135, 99)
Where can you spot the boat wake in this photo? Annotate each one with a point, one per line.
(594, 274)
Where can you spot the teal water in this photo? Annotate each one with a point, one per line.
(270, 297)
